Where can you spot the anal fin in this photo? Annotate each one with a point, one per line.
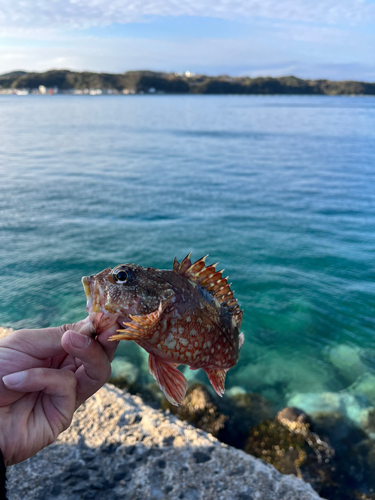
(170, 380)
(217, 379)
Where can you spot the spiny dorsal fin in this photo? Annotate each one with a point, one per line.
(185, 264)
(211, 280)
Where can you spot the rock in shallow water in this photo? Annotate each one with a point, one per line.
(347, 360)
(288, 443)
(124, 369)
(119, 448)
(365, 386)
(348, 405)
(198, 409)
(228, 418)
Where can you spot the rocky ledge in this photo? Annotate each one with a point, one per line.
(119, 448)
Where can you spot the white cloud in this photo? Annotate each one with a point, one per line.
(88, 13)
(308, 38)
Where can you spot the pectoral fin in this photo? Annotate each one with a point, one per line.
(141, 325)
(217, 379)
(170, 380)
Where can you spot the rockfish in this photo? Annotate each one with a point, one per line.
(186, 316)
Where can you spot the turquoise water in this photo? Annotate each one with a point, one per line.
(279, 189)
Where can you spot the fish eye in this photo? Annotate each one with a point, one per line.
(120, 276)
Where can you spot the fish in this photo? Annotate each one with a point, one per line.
(184, 316)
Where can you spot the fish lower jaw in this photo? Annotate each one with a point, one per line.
(102, 320)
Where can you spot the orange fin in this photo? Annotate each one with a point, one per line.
(170, 380)
(211, 280)
(185, 264)
(217, 379)
(141, 325)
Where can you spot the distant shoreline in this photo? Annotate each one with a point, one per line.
(150, 82)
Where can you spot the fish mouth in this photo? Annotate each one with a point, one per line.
(92, 291)
(100, 318)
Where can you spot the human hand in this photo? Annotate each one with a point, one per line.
(44, 376)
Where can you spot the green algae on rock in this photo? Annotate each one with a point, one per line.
(199, 410)
(288, 443)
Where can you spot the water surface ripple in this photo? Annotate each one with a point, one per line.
(279, 189)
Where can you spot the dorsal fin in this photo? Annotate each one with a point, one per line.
(185, 264)
(212, 281)
(175, 264)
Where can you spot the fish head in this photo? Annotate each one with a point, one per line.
(115, 294)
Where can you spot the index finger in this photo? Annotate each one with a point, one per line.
(41, 344)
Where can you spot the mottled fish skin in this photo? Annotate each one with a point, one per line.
(185, 316)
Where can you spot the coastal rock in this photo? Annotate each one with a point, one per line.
(119, 448)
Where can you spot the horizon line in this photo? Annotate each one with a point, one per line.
(186, 74)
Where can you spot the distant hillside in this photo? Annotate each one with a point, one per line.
(172, 83)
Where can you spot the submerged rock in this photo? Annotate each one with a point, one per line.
(365, 386)
(235, 391)
(288, 443)
(242, 411)
(295, 420)
(123, 368)
(348, 405)
(368, 422)
(228, 419)
(347, 360)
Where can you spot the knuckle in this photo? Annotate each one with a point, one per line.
(64, 328)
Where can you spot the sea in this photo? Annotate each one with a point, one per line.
(279, 189)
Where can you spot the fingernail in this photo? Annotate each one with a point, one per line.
(78, 340)
(14, 379)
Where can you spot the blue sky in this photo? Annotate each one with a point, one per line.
(308, 38)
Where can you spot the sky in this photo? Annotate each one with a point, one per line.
(332, 39)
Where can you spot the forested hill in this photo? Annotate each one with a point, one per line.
(174, 83)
